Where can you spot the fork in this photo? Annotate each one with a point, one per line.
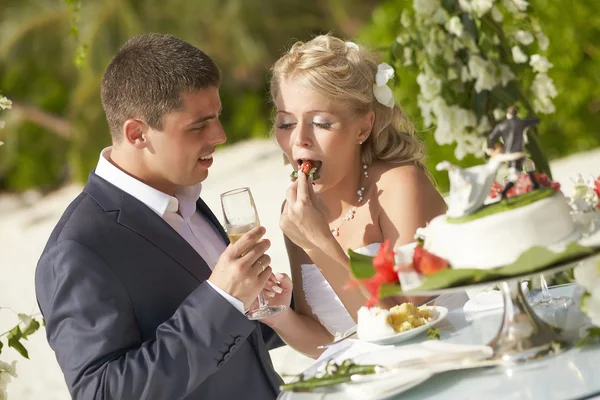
(350, 332)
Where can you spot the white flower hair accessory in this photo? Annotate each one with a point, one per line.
(352, 45)
(381, 90)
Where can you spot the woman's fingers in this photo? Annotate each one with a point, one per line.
(291, 194)
(303, 190)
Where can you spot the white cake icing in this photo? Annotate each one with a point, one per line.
(498, 239)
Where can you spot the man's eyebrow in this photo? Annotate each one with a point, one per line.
(205, 118)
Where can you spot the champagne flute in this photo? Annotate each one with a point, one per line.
(241, 216)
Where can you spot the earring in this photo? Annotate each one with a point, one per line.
(360, 142)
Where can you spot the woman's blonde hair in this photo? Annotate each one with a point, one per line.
(346, 74)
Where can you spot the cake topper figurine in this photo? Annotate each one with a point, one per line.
(512, 131)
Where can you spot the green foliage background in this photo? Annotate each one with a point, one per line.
(37, 70)
(573, 29)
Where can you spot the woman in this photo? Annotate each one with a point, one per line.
(335, 109)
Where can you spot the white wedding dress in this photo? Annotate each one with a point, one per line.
(327, 306)
(323, 301)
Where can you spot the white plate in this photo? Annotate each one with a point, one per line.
(403, 336)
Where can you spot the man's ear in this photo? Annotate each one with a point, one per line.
(135, 133)
(365, 126)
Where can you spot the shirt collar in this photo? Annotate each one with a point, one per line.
(184, 200)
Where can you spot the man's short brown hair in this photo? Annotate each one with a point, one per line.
(147, 77)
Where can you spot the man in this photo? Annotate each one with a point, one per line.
(512, 131)
(141, 295)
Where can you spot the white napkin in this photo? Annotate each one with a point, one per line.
(387, 384)
(354, 348)
(399, 380)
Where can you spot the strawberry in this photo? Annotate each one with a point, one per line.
(306, 166)
(427, 263)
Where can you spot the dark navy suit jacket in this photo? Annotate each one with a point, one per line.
(130, 315)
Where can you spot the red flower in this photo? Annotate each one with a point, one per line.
(427, 263)
(383, 263)
(597, 190)
(524, 185)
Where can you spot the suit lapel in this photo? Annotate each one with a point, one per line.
(141, 219)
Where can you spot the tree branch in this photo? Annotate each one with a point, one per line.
(55, 124)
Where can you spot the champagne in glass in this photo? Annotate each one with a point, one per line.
(241, 216)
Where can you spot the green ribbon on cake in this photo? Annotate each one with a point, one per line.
(533, 260)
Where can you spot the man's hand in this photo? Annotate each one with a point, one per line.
(243, 268)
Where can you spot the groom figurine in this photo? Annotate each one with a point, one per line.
(512, 131)
(141, 295)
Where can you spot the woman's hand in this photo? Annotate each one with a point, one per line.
(277, 292)
(302, 219)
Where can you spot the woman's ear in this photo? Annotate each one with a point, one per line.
(135, 132)
(365, 126)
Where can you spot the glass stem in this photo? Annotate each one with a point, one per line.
(261, 300)
(545, 291)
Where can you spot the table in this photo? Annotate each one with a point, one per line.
(573, 374)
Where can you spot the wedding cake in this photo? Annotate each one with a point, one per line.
(496, 240)
(485, 230)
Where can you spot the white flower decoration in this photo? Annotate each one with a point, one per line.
(587, 274)
(5, 104)
(543, 41)
(544, 91)
(524, 37)
(518, 56)
(381, 90)
(506, 74)
(454, 26)
(516, 6)
(426, 8)
(497, 15)
(352, 45)
(540, 63)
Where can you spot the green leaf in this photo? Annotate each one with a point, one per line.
(505, 205)
(449, 278)
(532, 260)
(433, 333)
(316, 176)
(18, 346)
(1, 345)
(14, 337)
(361, 265)
(538, 258)
(390, 289)
(31, 328)
(15, 333)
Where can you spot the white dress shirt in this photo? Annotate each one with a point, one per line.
(199, 232)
